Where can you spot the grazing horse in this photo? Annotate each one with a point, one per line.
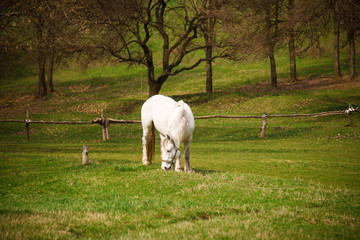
(175, 123)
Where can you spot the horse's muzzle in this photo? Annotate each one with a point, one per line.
(167, 169)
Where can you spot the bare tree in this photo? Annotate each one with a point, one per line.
(41, 51)
(271, 9)
(305, 23)
(209, 10)
(336, 34)
(345, 13)
(127, 30)
(10, 11)
(42, 30)
(27, 31)
(350, 18)
(255, 28)
(292, 53)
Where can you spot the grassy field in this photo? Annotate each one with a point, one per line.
(301, 182)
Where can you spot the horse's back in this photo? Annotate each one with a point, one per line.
(156, 106)
(155, 110)
(161, 110)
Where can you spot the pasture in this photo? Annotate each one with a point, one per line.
(301, 182)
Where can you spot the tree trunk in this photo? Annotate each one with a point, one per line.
(154, 84)
(50, 44)
(292, 54)
(273, 70)
(271, 46)
(154, 88)
(42, 89)
(351, 40)
(50, 71)
(336, 33)
(209, 39)
(209, 79)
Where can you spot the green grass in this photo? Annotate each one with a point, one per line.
(301, 182)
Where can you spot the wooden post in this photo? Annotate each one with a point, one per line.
(27, 123)
(107, 132)
(105, 126)
(263, 127)
(85, 155)
(350, 112)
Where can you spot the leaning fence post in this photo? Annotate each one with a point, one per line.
(350, 112)
(105, 126)
(264, 124)
(27, 124)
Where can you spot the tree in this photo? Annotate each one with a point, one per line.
(41, 48)
(41, 30)
(292, 53)
(258, 30)
(208, 29)
(350, 18)
(25, 29)
(210, 11)
(271, 9)
(336, 35)
(304, 24)
(10, 11)
(54, 32)
(130, 30)
(345, 13)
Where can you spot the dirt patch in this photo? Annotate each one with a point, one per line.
(128, 106)
(13, 105)
(302, 84)
(90, 108)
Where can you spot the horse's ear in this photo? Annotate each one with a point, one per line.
(168, 137)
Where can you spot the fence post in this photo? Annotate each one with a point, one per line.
(27, 124)
(350, 112)
(105, 126)
(264, 124)
(85, 155)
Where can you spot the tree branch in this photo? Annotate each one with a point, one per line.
(177, 71)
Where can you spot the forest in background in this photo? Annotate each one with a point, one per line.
(171, 37)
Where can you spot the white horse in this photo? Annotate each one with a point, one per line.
(175, 122)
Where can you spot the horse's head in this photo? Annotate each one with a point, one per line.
(169, 153)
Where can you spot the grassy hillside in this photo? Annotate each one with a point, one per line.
(301, 182)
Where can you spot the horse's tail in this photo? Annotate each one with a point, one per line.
(151, 144)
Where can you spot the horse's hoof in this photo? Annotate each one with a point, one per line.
(190, 171)
(147, 163)
(178, 170)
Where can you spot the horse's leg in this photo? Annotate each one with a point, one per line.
(145, 145)
(177, 164)
(161, 141)
(148, 141)
(187, 167)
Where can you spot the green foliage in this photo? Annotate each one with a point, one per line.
(301, 182)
